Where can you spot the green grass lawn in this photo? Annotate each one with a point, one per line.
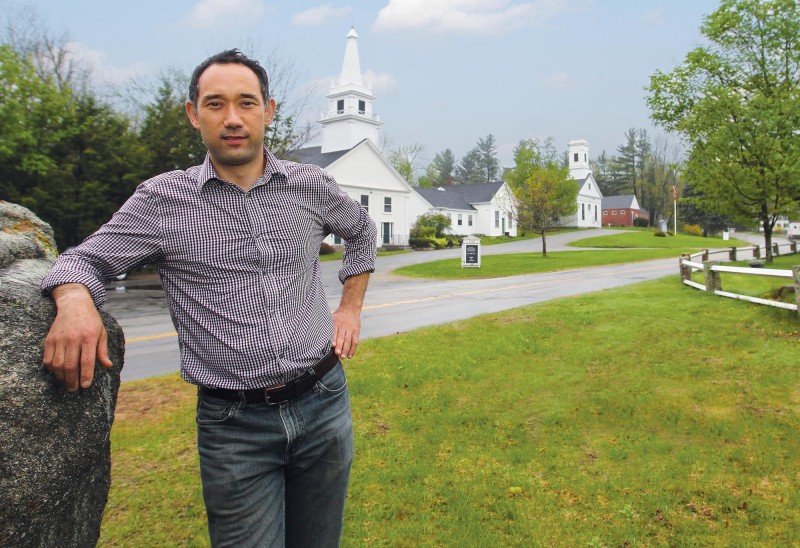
(647, 239)
(493, 266)
(651, 415)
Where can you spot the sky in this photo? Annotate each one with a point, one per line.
(444, 73)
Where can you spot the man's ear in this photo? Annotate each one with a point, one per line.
(269, 114)
(191, 112)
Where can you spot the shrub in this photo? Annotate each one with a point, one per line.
(659, 234)
(326, 249)
(693, 230)
(641, 222)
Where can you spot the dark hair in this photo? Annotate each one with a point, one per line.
(225, 57)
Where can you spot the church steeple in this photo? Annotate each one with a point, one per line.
(350, 118)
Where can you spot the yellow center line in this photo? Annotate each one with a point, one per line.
(151, 337)
(433, 298)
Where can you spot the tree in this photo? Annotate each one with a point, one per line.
(406, 159)
(487, 152)
(661, 178)
(166, 135)
(542, 186)
(469, 170)
(736, 102)
(441, 169)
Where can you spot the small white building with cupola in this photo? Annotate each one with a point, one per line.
(590, 198)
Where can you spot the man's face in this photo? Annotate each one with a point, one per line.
(231, 115)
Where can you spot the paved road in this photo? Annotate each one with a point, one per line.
(393, 304)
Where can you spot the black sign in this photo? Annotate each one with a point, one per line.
(471, 254)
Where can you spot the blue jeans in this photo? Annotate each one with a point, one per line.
(276, 475)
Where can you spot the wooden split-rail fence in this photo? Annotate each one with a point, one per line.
(712, 270)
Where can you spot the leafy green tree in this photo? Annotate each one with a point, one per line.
(736, 102)
(542, 186)
(32, 115)
(405, 160)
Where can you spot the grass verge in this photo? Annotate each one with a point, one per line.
(649, 415)
(647, 239)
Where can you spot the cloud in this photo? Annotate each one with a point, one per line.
(102, 73)
(381, 82)
(320, 15)
(489, 17)
(210, 13)
(654, 16)
(559, 81)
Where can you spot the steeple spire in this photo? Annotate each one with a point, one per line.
(350, 118)
(351, 67)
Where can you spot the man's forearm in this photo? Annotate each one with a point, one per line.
(353, 291)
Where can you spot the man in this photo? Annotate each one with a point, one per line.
(236, 243)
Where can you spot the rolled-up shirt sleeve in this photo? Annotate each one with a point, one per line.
(130, 239)
(347, 219)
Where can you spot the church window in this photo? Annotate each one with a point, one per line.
(340, 106)
(575, 157)
(365, 201)
(497, 219)
(362, 107)
(387, 204)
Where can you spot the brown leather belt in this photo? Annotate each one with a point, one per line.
(278, 394)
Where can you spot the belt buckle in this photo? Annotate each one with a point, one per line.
(268, 395)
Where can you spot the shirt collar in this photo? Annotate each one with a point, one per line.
(272, 166)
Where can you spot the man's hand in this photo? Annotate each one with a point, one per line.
(347, 318)
(76, 339)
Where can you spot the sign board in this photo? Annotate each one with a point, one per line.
(471, 253)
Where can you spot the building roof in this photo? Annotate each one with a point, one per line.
(460, 196)
(619, 202)
(314, 156)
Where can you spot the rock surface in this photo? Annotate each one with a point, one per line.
(55, 465)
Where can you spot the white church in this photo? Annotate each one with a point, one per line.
(590, 198)
(350, 153)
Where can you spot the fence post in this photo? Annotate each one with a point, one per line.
(713, 280)
(686, 272)
(756, 252)
(705, 255)
(794, 246)
(775, 249)
(796, 274)
(732, 254)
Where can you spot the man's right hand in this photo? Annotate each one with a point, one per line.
(76, 339)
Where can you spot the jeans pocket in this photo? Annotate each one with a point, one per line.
(214, 410)
(335, 382)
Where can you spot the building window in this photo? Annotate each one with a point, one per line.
(605, 212)
(510, 223)
(469, 220)
(497, 219)
(622, 212)
(460, 220)
(340, 106)
(362, 107)
(583, 212)
(365, 201)
(337, 240)
(387, 204)
(614, 212)
(575, 157)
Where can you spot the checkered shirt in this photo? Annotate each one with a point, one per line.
(240, 270)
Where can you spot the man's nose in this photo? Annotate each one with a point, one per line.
(232, 118)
